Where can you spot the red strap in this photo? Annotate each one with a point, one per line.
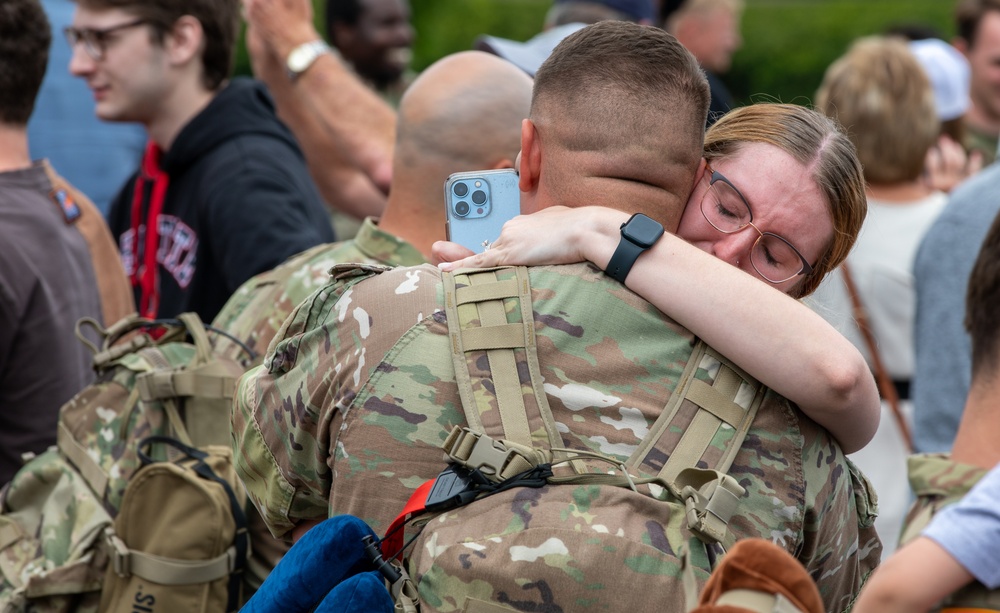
(392, 544)
(146, 274)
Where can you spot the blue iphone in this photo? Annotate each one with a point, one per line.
(478, 203)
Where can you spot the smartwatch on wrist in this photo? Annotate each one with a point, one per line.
(303, 56)
(639, 233)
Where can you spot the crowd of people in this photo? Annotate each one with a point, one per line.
(779, 317)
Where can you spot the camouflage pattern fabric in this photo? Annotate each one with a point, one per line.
(349, 409)
(257, 309)
(938, 481)
(52, 553)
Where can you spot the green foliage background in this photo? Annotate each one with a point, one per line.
(787, 43)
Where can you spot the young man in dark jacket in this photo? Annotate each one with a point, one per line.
(222, 180)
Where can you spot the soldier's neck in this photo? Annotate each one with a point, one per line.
(975, 442)
(414, 219)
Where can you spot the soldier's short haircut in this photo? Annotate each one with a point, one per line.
(220, 21)
(614, 76)
(982, 315)
(25, 37)
(968, 15)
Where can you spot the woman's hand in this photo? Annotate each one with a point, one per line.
(556, 235)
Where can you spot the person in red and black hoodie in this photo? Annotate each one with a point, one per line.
(223, 192)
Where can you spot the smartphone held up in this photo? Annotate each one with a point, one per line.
(478, 203)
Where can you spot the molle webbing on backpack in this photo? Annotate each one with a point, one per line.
(489, 313)
(490, 316)
(724, 408)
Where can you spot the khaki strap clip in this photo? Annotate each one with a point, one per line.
(497, 460)
(711, 498)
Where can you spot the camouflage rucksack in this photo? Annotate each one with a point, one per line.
(138, 507)
(938, 481)
(505, 516)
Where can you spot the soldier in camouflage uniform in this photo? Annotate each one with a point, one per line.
(437, 114)
(446, 125)
(941, 565)
(348, 412)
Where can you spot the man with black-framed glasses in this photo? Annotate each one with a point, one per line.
(223, 192)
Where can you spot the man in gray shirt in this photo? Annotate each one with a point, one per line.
(47, 275)
(944, 261)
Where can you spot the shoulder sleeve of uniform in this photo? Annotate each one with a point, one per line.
(970, 529)
(842, 548)
(269, 485)
(286, 408)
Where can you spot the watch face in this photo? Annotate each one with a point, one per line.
(642, 230)
(300, 59)
(304, 55)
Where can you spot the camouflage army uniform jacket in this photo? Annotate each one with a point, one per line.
(255, 312)
(938, 481)
(349, 409)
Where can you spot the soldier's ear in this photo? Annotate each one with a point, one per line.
(530, 157)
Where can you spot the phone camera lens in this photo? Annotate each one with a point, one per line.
(462, 208)
(460, 189)
(479, 196)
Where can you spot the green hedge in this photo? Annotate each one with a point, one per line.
(787, 43)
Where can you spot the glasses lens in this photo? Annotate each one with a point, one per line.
(93, 42)
(88, 38)
(724, 208)
(775, 259)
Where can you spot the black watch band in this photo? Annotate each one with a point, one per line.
(639, 233)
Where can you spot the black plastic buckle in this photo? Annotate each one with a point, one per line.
(454, 487)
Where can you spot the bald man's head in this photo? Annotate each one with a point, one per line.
(463, 113)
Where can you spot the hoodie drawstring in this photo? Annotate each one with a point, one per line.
(146, 275)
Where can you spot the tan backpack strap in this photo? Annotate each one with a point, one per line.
(723, 408)
(489, 313)
(713, 420)
(181, 383)
(167, 571)
(89, 469)
(196, 329)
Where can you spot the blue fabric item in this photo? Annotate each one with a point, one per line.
(330, 555)
(970, 530)
(95, 156)
(362, 593)
(943, 367)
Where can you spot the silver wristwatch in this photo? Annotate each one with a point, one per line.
(303, 56)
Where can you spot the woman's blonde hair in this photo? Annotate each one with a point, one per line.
(881, 95)
(816, 142)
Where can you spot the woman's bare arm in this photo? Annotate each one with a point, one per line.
(772, 336)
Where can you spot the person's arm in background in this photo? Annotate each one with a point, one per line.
(343, 185)
(361, 124)
(772, 336)
(913, 580)
(960, 544)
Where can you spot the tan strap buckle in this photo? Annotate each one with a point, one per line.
(476, 451)
(710, 507)
(120, 555)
